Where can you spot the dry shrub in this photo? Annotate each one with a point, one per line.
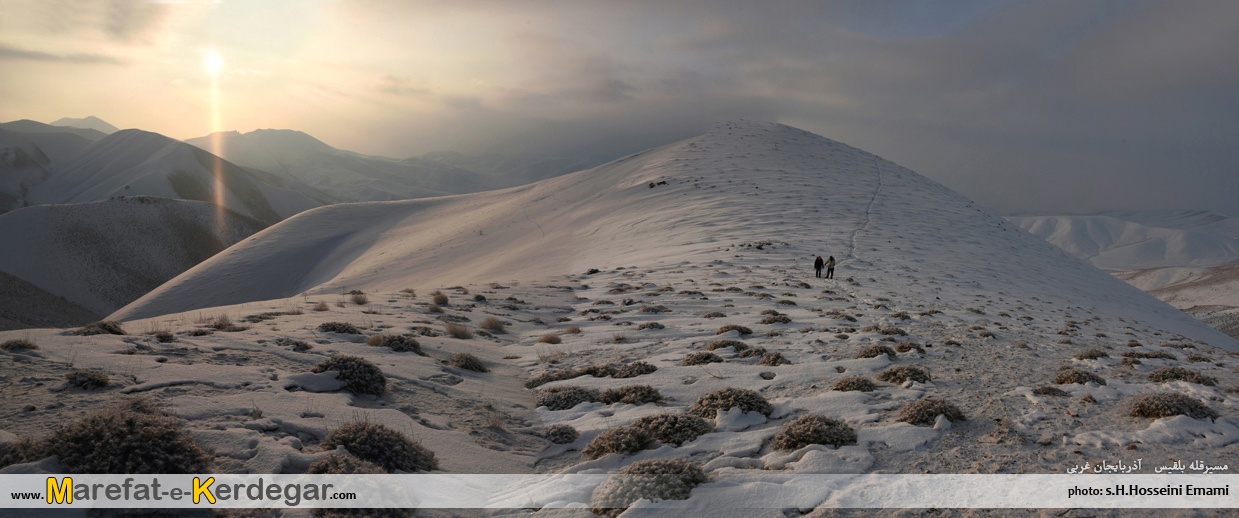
(755, 352)
(321, 306)
(708, 405)
(1067, 375)
(650, 479)
(1181, 374)
(650, 325)
(358, 374)
(102, 327)
(892, 331)
(468, 362)
(359, 298)
(549, 376)
(902, 373)
(562, 434)
(923, 412)
(343, 465)
(1092, 353)
(1050, 391)
(631, 395)
(1163, 355)
(700, 358)
(854, 384)
(438, 298)
(736, 345)
(674, 429)
(88, 378)
(494, 325)
(904, 347)
(874, 351)
(714, 314)
(773, 359)
(434, 308)
(776, 319)
(734, 327)
(398, 343)
(572, 330)
(378, 444)
(18, 345)
(343, 328)
(654, 309)
(564, 397)
(813, 429)
(634, 369)
(1167, 404)
(458, 331)
(550, 339)
(617, 440)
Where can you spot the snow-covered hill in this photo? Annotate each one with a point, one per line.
(1135, 240)
(505, 171)
(29, 126)
(135, 162)
(105, 254)
(22, 166)
(89, 122)
(345, 175)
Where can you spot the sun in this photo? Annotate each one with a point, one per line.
(213, 62)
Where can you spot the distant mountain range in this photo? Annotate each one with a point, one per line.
(90, 122)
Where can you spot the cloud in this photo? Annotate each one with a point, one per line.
(13, 54)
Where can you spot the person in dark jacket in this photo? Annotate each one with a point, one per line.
(817, 265)
(830, 267)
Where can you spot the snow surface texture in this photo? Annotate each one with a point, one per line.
(344, 175)
(105, 254)
(733, 231)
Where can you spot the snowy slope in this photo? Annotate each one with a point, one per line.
(508, 171)
(89, 122)
(739, 183)
(1134, 240)
(105, 254)
(29, 126)
(345, 175)
(22, 166)
(135, 162)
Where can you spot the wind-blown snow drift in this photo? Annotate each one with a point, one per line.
(741, 182)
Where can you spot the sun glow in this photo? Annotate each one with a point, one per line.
(213, 65)
(213, 62)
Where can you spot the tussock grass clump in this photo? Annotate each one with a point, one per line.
(775, 319)
(550, 339)
(714, 314)
(904, 347)
(565, 397)
(786, 302)
(650, 325)
(924, 411)
(438, 298)
(359, 298)
(321, 306)
(1181, 374)
(617, 440)
(201, 332)
(700, 358)
(562, 434)
(736, 345)
(650, 479)
(770, 312)
(1050, 391)
(813, 429)
(164, 336)
(654, 309)
(874, 351)
(358, 374)
(854, 384)
(631, 394)
(1067, 375)
(634, 369)
(549, 376)
(708, 405)
(343, 465)
(457, 331)
(1092, 353)
(343, 328)
(102, 327)
(132, 437)
(1163, 355)
(773, 359)
(376, 443)
(493, 325)
(892, 331)
(572, 330)
(88, 378)
(733, 327)
(398, 343)
(1167, 404)
(755, 352)
(1129, 362)
(224, 323)
(434, 308)
(674, 429)
(468, 362)
(18, 345)
(1197, 358)
(902, 373)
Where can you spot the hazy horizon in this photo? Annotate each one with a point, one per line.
(1025, 107)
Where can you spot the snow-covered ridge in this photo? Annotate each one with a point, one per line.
(1135, 240)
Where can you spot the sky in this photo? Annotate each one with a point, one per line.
(1043, 106)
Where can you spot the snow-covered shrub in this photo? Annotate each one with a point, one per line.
(1067, 375)
(562, 434)
(700, 358)
(902, 373)
(924, 411)
(755, 352)
(598, 370)
(650, 325)
(854, 383)
(746, 400)
(634, 369)
(102, 327)
(494, 325)
(714, 314)
(775, 319)
(1163, 355)
(1050, 391)
(650, 479)
(343, 328)
(674, 429)
(87, 378)
(343, 465)
(563, 398)
(894, 331)
(617, 440)
(874, 351)
(133, 437)
(654, 309)
(458, 331)
(1091, 353)
(770, 312)
(468, 362)
(1182, 374)
(358, 374)
(549, 376)
(18, 345)
(734, 327)
(813, 429)
(736, 345)
(773, 359)
(550, 339)
(398, 343)
(904, 347)
(1166, 404)
(376, 443)
(786, 302)
(631, 394)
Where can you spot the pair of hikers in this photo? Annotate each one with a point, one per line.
(829, 264)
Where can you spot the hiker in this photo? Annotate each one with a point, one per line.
(817, 265)
(830, 267)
